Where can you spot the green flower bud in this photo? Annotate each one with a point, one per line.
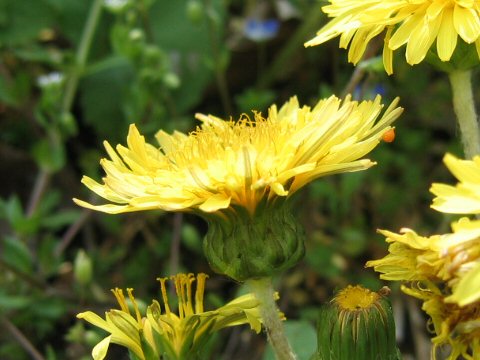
(357, 324)
(83, 268)
(195, 11)
(246, 246)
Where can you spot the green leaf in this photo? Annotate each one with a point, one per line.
(12, 211)
(60, 219)
(23, 20)
(49, 155)
(102, 96)
(17, 254)
(14, 302)
(12, 92)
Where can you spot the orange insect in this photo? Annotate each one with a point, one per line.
(389, 136)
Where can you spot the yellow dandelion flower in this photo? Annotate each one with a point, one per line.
(178, 335)
(239, 175)
(464, 198)
(225, 163)
(418, 24)
(443, 271)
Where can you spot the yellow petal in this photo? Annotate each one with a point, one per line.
(361, 40)
(464, 170)
(447, 36)
(468, 289)
(450, 200)
(100, 350)
(467, 23)
(278, 189)
(404, 32)
(388, 53)
(215, 202)
(332, 29)
(125, 331)
(107, 208)
(95, 320)
(421, 39)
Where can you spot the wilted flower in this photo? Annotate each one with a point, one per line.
(418, 24)
(179, 336)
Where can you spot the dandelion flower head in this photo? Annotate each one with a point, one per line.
(227, 164)
(418, 24)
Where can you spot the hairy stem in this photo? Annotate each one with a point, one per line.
(464, 107)
(263, 290)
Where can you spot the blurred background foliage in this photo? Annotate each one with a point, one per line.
(74, 73)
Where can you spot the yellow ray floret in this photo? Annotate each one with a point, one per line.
(464, 198)
(417, 24)
(241, 163)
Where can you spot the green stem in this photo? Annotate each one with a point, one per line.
(464, 107)
(263, 291)
(82, 54)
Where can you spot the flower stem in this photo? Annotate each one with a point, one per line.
(82, 54)
(263, 290)
(464, 107)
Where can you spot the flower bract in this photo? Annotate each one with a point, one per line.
(357, 324)
(417, 24)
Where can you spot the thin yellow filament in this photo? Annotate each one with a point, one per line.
(121, 299)
(199, 293)
(135, 306)
(163, 289)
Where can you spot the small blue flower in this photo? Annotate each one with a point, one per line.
(261, 30)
